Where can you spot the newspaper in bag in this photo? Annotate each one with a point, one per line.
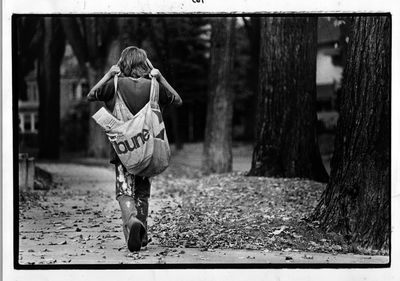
(141, 141)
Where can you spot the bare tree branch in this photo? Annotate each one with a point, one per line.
(76, 40)
(248, 27)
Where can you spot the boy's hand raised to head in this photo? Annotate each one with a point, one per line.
(110, 73)
(155, 73)
(114, 70)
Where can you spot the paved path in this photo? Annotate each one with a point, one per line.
(79, 223)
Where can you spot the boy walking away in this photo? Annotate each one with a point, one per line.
(132, 192)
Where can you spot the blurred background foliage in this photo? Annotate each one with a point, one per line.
(180, 48)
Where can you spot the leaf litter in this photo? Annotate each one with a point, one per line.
(233, 211)
(227, 211)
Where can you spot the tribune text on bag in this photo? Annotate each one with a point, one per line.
(124, 146)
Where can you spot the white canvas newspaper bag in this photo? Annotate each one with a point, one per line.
(140, 140)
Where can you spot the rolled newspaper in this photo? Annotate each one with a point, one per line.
(106, 120)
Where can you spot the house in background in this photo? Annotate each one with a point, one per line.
(28, 109)
(28, 117)
(329, 72)
(72, 90)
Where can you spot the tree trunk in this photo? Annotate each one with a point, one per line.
(217, 154)
(98, 146)
(286, 140)
(49, 89)
(356, 201)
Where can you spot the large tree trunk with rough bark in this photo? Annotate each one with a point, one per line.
(356, 202)
(217, 155)
(49, 88)
(286, 140)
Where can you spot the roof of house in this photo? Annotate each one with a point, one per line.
(69, 65)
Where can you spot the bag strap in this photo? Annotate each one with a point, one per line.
(116, 88)
(115, 83)
(154, 90)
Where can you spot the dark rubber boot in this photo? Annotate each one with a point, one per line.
(134, 230)
(146, 240)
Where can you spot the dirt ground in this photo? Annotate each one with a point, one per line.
(78, 222)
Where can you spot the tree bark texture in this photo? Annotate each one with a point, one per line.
(356, 201)
(49, 88)
(217, 154)
(286, 140)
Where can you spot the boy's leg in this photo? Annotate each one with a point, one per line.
(134, 230)
(142, 195)
(124, 182)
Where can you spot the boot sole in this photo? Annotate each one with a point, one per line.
(135, 236)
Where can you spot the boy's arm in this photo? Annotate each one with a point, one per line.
(92, 94)
(177, 100)
(156, 73)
